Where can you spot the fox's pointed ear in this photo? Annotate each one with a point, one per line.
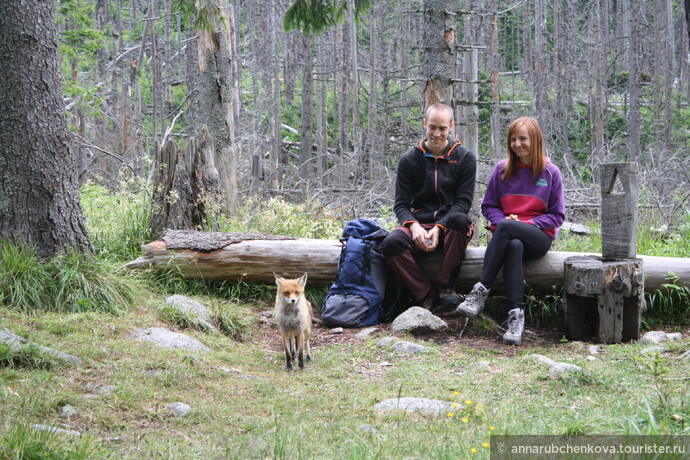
(302, 280)
(278, 279)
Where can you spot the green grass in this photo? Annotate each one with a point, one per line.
(68, 282)
(117, 221)
(245, 405)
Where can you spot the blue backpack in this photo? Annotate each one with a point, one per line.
(356, 297)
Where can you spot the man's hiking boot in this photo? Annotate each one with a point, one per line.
(474, 302)
(427, 302)
(448, 296)
(516, 326)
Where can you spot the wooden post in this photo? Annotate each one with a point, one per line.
(619, 210)
(604, 296)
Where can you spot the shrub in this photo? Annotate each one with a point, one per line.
(68, 282)
(118, 222)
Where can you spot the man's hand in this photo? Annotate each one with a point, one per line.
(425, 240)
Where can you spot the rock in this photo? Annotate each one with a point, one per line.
(16, 342)
(68, 411)
(653, 337)
(657, 350)
(673, 336)
(544, 359)
(484, 365)
(337, 330)
(367, 428)
(192, 309)
(556, 369)
(685, 355)
(559, 369)
(365, 333)
(53, 429)
(106, 390)
(427, 406)
(102, 390)
(417, 319)
(168, 339)
(386, 342)
(179, 409)
(594, 350)
(576, 228)
(409, 348)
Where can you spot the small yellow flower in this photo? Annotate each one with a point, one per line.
(492, 428)
(456, 393)
(486, 445)
(465, 420)
(454, 404)
(468, 402)
(451, 414)
(474, 451)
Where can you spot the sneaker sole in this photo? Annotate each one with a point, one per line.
(465, 314)
(512, 341)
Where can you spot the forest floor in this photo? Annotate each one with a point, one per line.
(458, 333)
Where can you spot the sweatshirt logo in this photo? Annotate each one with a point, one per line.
(542, 182)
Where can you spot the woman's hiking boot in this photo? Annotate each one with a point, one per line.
(474, 302)
(516, 327)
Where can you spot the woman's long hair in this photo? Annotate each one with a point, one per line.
(538, 153)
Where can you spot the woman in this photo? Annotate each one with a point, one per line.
(525, 206)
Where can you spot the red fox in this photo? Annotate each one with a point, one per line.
(293, 313)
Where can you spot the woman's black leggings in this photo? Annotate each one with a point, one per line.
(513, 243)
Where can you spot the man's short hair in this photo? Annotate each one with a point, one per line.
(439, 106)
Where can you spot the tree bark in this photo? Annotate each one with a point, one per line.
(305, 169)
(215, 104)
(227, 256)
(439, 55)
(39, 189)
(634, 150)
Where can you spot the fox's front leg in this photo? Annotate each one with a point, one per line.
(289, 352)
(300, 350)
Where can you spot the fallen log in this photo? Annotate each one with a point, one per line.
(251, 257)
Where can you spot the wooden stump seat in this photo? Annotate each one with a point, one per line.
(603, 298)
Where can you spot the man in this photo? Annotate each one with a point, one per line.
(433, 195)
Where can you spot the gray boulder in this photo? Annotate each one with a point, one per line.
(192, 309)
(179, 409)
(556, 369)
(386, 342)
(417, 319)
(365, 333)
(56, 430)
(427, 406)
(653, 338)
(409, 348)
(168, 339)
(16, 342)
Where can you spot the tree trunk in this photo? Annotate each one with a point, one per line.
(39, 189)
(253, 258)
(215, 104)
(541, 60)
(439, 55)
(634, 85)
(354, 83)
(321, 113)
(307, 126)
(497, 147)
(596, 92)
(187, 185)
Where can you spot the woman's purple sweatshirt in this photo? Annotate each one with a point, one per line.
(536, 200)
